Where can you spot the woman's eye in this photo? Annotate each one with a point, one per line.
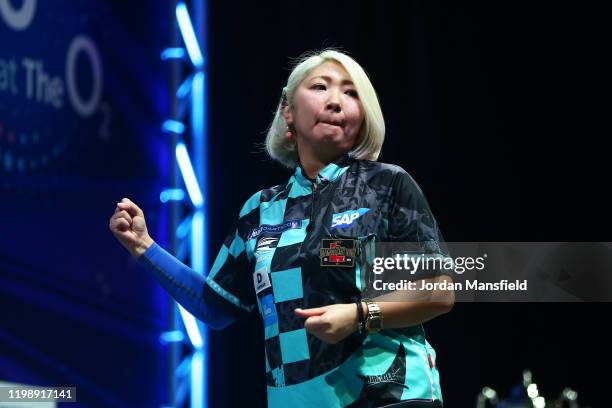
(351, 92)
(319, 86)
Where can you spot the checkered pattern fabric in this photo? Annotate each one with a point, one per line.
(270, 262)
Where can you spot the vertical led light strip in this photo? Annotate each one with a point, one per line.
(199, 238)
(198, 372)
(195, 178)
(198, 123)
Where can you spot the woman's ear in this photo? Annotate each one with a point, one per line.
(288, 115)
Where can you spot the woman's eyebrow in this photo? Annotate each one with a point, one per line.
(329, 79)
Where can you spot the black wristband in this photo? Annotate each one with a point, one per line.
(361, 316)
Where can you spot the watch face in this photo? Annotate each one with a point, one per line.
(375, 324)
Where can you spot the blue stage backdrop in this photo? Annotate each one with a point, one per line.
(82, 95)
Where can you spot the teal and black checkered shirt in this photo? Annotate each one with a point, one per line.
(270, 262)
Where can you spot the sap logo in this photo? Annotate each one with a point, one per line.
(346, 218)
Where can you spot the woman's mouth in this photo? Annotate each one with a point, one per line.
(337, 124)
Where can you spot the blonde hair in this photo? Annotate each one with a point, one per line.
(372, 132)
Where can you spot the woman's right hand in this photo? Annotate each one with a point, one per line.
(129, 227)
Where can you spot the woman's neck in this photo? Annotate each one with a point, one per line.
(311, 167)
(312, 163)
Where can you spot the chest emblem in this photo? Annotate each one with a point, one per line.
(337, 252)
(346, 218)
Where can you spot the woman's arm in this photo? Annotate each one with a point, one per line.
(181, 282)
(427, 304)
(184, 285)
(334, 323)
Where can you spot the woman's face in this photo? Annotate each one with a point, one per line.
(326, 111)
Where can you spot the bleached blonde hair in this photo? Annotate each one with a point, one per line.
(372, 132)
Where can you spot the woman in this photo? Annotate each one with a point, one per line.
(292, 253)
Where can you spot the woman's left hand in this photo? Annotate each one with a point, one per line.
(331, 323)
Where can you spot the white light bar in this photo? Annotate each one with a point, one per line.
(189, 37)
(193, 189)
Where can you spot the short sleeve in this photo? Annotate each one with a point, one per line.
(410, 220)
(229, 283)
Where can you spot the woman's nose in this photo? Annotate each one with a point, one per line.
(333, 103)
(334, 106)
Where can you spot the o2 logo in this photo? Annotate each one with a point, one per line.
(18, 19)
(54, 80)
(40, 85)
(84, 44)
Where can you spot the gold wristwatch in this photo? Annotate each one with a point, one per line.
(374, 320)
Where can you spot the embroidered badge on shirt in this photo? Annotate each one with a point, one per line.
(261, 280)
(266, 243)
(346, 218)
(337, 252)
(268, 310)
(275, 229)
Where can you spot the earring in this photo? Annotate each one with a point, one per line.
(289, 134)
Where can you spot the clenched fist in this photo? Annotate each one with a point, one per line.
(129, 227)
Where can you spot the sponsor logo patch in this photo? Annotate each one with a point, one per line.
(337, 252)
(346, 218)
(275, 229)
(261, 279)
(266, 244)
(268, 310)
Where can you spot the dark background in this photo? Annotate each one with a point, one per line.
(494, 109)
